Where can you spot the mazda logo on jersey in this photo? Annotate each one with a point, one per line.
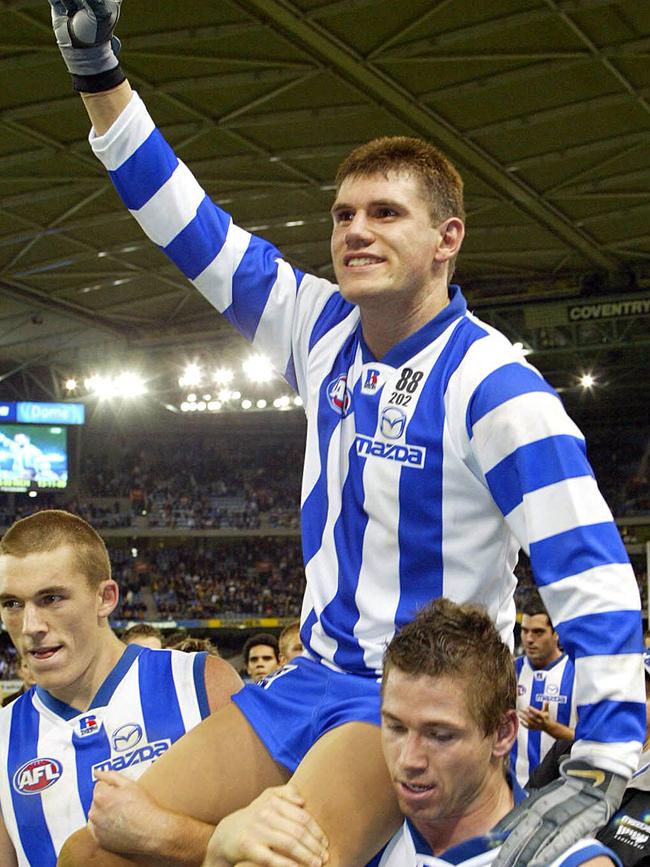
(126, 737)
(36, 775)
(393, 422)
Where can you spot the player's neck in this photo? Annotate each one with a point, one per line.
(387, 321)
(491, 804)
(548, 661)
(80, 694)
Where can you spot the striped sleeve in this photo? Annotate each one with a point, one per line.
(534, 462)
(272, 304)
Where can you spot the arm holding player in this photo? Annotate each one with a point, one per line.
(541, 720)
(7, 852)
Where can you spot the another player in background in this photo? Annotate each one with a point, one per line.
(143, 634)
(545, 695)
(261, 656)
(290, 643)
(434, 452)
(97, 706)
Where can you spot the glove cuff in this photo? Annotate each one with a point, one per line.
(99, 82)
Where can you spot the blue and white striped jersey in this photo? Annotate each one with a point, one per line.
(409, 849)
(425, 470)
(49, 750)
(551, 685)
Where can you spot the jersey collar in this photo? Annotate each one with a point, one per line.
(414, 343)
(104, 693)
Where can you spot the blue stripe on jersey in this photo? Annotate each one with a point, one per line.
(421, 527)
(575, 551)
(504, 383)
(108, 687)
(89, 750)
(252, 283)
(200, 241)
(611, 721)
(534, 466)
(601, 633)
(28, 809)
(156, 685)
(314, 508)
(335, 310)
(198, 670)
(341, 615)
(290, 374)
(145, 171)
(563, 713)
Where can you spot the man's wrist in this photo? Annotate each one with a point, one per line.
(100, 82)
(181, 840)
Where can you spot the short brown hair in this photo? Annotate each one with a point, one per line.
(53, 528)
(141, 630)
(446, 639)
(442, 184)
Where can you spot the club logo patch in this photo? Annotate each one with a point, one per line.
(338, 395)
(36, 775)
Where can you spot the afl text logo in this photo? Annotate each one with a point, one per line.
(36, 775)
(126, 737)
(393, 422)
(338, 395)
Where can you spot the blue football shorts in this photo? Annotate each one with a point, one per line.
(297, 704)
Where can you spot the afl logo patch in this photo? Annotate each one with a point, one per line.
(126, 737)
(36, 775)
(338, 395)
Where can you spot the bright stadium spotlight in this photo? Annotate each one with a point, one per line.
(192, 375)
(587, 380)
(522, 349)
(236, 395)
(223, 376)
(225, 395)
(191, 397)
(207, 397)
(70, 384)
(103, 386)
(297, 401)
(201, 406)
(281, 402)
(258, 368)
(214, 405)
(246, 404)
(261, 404)
(129, 384)
(185, 406)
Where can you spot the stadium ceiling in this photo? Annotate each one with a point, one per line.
(543, 104)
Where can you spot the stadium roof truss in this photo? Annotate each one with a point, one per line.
(543, 104)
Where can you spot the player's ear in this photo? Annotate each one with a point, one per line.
(452, 232)
(506, 734)
(108, 594)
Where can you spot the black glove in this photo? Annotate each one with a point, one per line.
(84, 34)
(555, 817)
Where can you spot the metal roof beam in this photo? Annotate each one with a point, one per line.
(388, 94)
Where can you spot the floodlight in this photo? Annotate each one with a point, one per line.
(587, 380)
(192, 375)
(258, 368)
(70, 384)
(223, 375)
(261, 404)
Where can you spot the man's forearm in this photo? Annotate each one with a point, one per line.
(182, 840)
(104, 108)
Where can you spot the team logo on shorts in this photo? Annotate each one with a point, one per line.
(338, 395)
(88, 725)
(372, 381)
(126, 737)
(393, 422)
(36, 775)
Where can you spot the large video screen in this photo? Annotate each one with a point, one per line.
(33, 456)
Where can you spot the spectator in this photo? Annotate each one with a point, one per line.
(261, 656)
(145, 635)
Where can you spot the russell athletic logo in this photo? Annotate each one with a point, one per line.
(36, 775)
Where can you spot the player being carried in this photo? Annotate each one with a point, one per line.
(434, 452)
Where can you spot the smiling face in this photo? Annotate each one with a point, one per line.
(444, 768)
(58, 621)
(384, 242)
